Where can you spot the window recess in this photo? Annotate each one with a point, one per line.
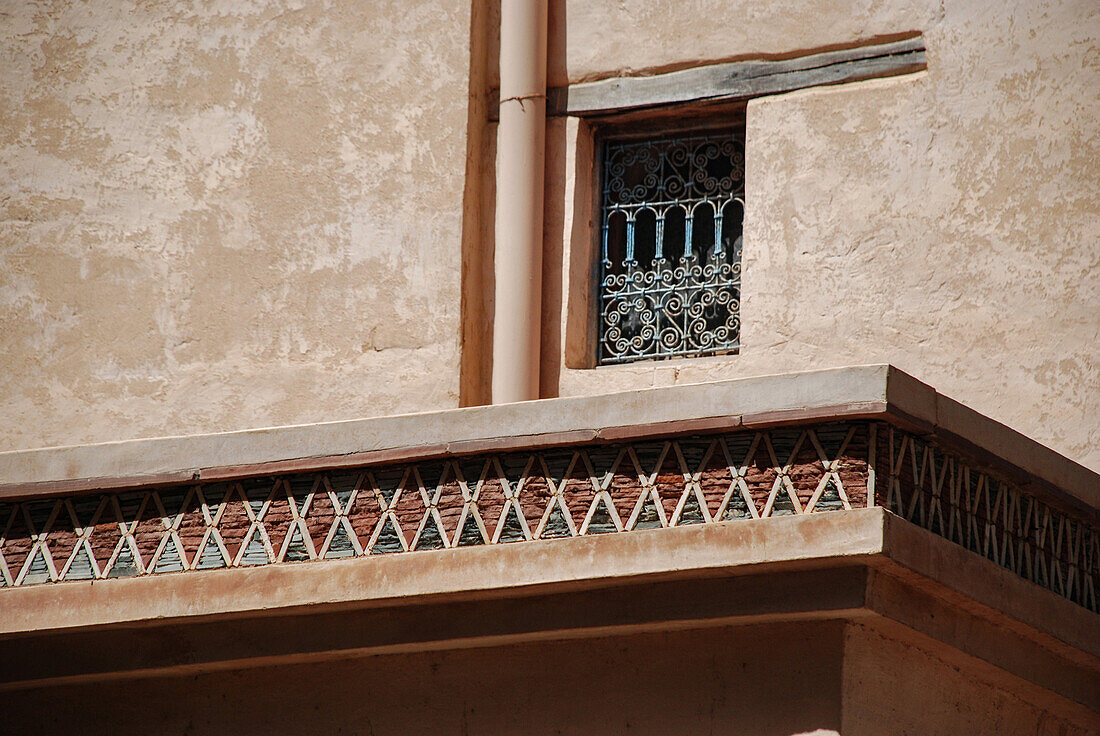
(671, 215)
(677, 292)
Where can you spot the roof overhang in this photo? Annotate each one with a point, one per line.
(861, 562)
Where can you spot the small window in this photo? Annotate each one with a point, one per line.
(672, 209)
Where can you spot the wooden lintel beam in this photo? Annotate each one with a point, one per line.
(738, 79)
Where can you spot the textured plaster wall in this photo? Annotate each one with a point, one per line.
(228, 214)
(892, 688)
(946, 222)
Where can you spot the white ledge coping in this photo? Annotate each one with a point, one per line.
(861, 391)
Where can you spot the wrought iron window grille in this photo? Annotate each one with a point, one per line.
(672, 210)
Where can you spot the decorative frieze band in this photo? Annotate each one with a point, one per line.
(480, 499)
(546, 494)
(943, 493)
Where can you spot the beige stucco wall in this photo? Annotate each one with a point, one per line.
(228, 214)
(807, 678)
(892, 686)
(245, 214)
(945, 222)
(775, 680)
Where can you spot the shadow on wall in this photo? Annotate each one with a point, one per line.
(553, 229)
(478, 206)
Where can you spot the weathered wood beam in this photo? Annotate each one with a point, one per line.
(739, 79)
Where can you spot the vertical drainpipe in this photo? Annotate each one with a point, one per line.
(519, 201)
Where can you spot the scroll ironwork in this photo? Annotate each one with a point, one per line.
(672, 214)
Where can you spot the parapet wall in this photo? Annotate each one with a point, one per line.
(831, 458)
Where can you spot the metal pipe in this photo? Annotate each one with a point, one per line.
(520, 150)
